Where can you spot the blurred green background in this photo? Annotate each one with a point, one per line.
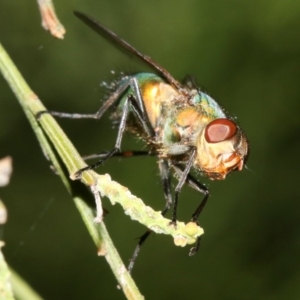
(246, 54)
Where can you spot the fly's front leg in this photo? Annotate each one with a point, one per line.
(182, 179)
(195, 217)
(166, 183)
(198, 186)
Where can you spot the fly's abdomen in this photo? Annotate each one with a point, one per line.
(155, 93)
(157, 96)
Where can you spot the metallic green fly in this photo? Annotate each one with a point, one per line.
(184, 127)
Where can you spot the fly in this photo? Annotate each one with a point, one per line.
(184, 127)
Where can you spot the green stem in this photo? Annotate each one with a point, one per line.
(5, 278)
(22, 290)
(27, 99)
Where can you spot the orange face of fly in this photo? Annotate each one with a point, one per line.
(221, 148)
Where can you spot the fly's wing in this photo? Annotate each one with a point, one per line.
(120, 43)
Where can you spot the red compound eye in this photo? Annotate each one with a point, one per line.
(219, 130)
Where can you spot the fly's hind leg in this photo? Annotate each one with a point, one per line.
(108, 103)
(135, 102)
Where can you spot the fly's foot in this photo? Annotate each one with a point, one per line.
(78, 174)
(195, 249)
(173, 223)
(40, 113)
(194, 219)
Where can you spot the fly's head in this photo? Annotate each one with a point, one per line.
(222, 147)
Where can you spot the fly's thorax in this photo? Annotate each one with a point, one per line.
(189, 122)
(208, 105)
(221, 148)
(180, 131)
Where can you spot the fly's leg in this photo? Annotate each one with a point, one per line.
(115, 96)
(183, 175)
(198, 186)
(125, 154)
(135, 102)
(137, 250)
(117, 144)
(165, 175)
(137, 105)
(166, 183)
(108, 103)
(139, 109)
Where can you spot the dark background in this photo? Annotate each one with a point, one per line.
(246, 54)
